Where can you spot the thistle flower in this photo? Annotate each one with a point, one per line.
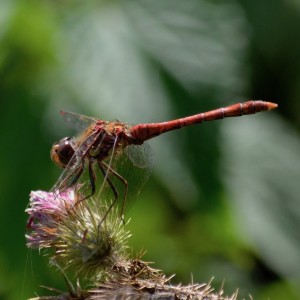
(90, 238)
(46, 212)
(84, 237)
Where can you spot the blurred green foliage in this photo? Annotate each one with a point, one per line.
(223, 199)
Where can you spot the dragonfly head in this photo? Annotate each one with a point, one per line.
(62, 152)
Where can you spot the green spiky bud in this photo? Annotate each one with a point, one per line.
(84, 237)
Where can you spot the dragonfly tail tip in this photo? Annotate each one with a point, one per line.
(272, 105)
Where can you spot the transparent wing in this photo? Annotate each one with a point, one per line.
(76, 121)
(141, 156)
(128, 170)
(139, 163)
(76, 165)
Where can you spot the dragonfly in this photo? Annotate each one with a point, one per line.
(103, 144)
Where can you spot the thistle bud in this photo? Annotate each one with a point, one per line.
(88, 237)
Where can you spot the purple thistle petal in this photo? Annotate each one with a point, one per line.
(46, 211)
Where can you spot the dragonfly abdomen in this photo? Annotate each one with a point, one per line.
(144, 132)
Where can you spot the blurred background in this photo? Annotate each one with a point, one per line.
(223, 198)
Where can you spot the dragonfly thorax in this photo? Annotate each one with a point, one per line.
(110, 139)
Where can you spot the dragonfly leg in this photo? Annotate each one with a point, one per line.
(78, 173)
(92, 176)
(67, 183)
(122, 179)
(116, 193)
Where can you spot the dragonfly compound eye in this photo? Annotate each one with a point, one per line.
(62, 152)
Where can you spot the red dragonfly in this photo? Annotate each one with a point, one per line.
(101, 144)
